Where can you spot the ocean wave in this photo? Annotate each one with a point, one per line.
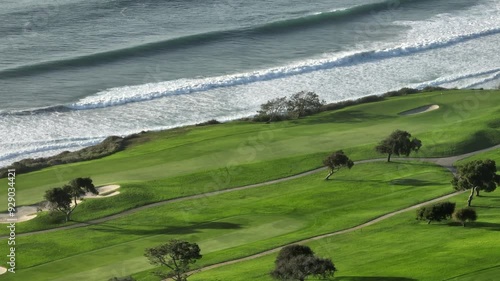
(456, 78)
(483, 81)
(152, 48)
(130, 94)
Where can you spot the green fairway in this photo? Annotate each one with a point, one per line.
(400, 248)
(182, 162)
(465, 121)
(234, 224)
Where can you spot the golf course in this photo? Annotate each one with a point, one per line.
(243, 190)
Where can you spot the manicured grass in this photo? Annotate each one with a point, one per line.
(400, 248)
(134, 194)
(465, 122)
(493, 155)
(231, 225)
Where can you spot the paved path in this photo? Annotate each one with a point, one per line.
(446, 162)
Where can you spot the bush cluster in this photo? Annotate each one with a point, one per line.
(437, 212)
(107, 147)
(209, 122)
(277, 109)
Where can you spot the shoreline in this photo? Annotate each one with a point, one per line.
(119, 143)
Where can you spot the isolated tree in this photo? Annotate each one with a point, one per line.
(436, 212)
(465, 214)
(275, 109)
(398, 143)
(59, 199)
(337, 161)
(297, 262)
(78, 187)
(304, 103)
(177, 256)
(476, 175)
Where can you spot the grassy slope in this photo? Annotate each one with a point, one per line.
(403, 249)
(234, 224)
(465, 122)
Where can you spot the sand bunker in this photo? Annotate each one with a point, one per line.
(422, 109)
(25, 213)
(2, 270)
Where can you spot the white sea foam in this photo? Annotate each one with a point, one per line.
(466, 56)
(130, 94)
(459, 77)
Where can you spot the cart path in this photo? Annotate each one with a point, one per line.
(446, 162)
(338, 232)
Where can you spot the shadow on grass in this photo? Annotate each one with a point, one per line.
(485, 207)
(361, 278)
(350, 116)
(155, 229)
(413, 182)
(485, 225)
(332, 179)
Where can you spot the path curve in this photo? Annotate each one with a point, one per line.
(446, 162)
(338, 232)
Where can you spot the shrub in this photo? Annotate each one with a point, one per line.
(107, 147)
(437, 212)
(126, 278)
(209, 122)
(465, 214)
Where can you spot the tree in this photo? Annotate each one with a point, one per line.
(465, 214)
(297, 262)
(304, 103)
(337, 161)
(476, 175)
(78, 187)
(437, 212)
(398, 143)
(60, 198)
(275, 109)
(177, 256)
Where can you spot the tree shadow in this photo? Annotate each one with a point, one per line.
(356, 180)
(372, 278)
(155, 230)
(413, 182)
(350, 116)
(485, 207)
(485, 225)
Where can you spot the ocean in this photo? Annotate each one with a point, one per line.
(73, 72)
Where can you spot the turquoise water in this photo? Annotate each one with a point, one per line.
(74, 72)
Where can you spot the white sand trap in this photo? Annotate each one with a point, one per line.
(104, 191)
(2, 270)
(25, 213)
(422, 109)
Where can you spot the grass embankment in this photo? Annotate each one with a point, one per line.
(233, 224)
(401, 248)
(465, 122)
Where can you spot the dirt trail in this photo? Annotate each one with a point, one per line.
(446, 162)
